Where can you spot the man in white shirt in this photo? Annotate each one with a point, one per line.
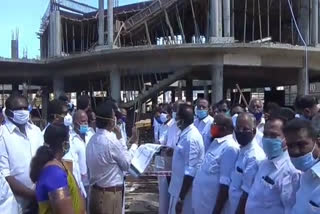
(246, 167)
(19, 142)
(256, 108)
(122, 125)
(174, 131)
(107, 160)
(8, 203)
(79, 137)
(203, 121)
(275, 185)
(304, 150)
(157, 122)
(211, 183)
(187, 157)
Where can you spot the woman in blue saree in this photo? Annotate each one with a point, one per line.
(56, 189)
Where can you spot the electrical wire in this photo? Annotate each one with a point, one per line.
(306, 90)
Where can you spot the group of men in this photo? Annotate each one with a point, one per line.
(98, 154)
(239, 160)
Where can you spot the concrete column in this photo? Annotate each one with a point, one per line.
(173, 95)
(110, 23)
(220, 18)
(15, 49)
(206, 90)
(55, 44)
(315, 21)
(214, 19)
(189, 90)
(303, 21)
(25, 89)
(101, 23)
(58, 86)
(227, 18)
(303, 82)
(217, 83)
(115, 84)
(45, 102)
(180, 90)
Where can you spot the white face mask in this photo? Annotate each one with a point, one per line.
(67, 120)
(21, 117)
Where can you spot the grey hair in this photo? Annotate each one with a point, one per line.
(249, 116)
(255, 100)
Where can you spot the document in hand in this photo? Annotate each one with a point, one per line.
(142, 158)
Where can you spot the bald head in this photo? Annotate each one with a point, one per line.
(80, 117)
(246, 120)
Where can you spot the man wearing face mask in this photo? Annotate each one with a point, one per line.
(223, 107)
(304, 150)
(57, 113)
(187, 158)
(203, 121)
(246, 167)
(18, 144)
(79, 137)
(211, 183)
(107, 160)
(277, 181)
(306, 107)
(157, 122)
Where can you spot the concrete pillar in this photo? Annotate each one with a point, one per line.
(115, 84)
(101, 23)
(55, 44)
(217, 83)
(25, 89)
(303, 82)
(110, 23)
(227, 18)
(220, 18)
(315, 21)
(179, 90)
(303, 21)
(15, 49)
(45, 102)
(15, 87)
(58, 86)
(214, 19)
(173, 95)
(206, 90)
(189, 91)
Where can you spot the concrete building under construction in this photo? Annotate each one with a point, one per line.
(136, 53)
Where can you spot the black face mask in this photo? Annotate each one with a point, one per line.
(244, 138)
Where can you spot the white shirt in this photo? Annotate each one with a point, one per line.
(77, 154)
(204, 127)
(156, 127)
(187, 158)
(124, 136)
(243, 174)
(260, 126)
(308, 194)
(173, 135)
(8, 203)
(276, 193)
(16, 152)
(163, 132)
(219, 162)
(107, 159)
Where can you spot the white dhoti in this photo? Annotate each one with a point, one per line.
(164, 196)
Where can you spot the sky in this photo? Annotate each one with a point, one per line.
(25, 15)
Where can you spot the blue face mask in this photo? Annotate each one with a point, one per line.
(30, 108)
(258, 116)
(201, 114)
(159, 121)
(305, 162)
(272, 147)
(83, 129)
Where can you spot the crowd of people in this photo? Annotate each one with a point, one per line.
(229, 160)
(236, 160)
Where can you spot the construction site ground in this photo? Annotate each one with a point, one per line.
(141, 195)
